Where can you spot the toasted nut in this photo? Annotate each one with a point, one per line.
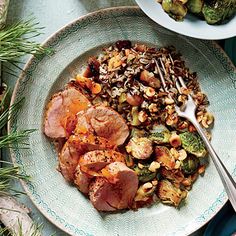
(185, 91)
(182, 125)
(191, 128)
(199, 97)
(182, 154)
(154, 182)
(174, 153)
(153, 107)
(147, 186)
(207, 119)
(199, 116)
(150, 92)
(182, 98)
(175, 140)
(177, 164)
(169, 101)
(114, 62)
(134, 100)
(201, 169)
(170, 109)
(154, 166)
(150, 79)
(142, 116)
(140, 166)
(187, 182)
(96, 88)
(172, 119)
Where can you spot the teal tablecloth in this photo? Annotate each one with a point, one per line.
(53, 14)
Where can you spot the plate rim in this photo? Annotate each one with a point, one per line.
(22, 77)
(138, 2)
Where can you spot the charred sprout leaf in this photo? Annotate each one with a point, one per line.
(169, 194)
(160, 138)
(175, 9)
(160, 134)
(144, 174)
(190, 165)
(193, 144)
(195, 6)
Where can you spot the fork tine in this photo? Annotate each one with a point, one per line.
(178, 86)
(163, 67)
(161, 76)
(182, 82)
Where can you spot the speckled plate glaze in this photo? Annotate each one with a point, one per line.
(64, 205)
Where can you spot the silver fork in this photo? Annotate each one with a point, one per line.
(188, 111)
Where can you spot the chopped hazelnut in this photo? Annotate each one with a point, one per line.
(142, 116)
(153, 107)
(150, 92)
(154, 166)
(175, 140)
(182, 154)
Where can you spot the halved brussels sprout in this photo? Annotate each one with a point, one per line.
(176, 10)
(190, 165)
(195, 6)
(193, 144)
(144, 174)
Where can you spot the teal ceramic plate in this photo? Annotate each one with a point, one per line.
(64, 205)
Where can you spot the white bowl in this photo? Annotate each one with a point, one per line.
(191, 26)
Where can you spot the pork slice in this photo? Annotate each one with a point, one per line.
(116, 190)
(105, 122)
(92, 162)
(76, 146)
(82, 180)
(60, 117)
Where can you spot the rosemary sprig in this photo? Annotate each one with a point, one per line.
(15, 137)
(7, 174)
(16, 41)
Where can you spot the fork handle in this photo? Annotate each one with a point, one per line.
(226, 178)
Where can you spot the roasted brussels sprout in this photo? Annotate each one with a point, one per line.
(140, 148)
(193, 144)
(159, 134)
(215, 11)
(195, 6)
(169, 194)
(172, 175)
(164, 157)
(144, 192)
(162, 137)
(138, 133)
(144, 174)
(190, 165)
(134, 113)
(175, 9)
